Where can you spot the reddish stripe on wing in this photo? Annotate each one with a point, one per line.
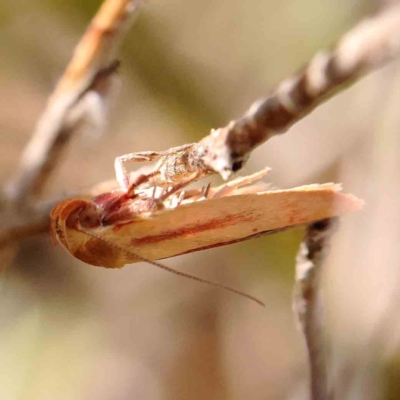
(190, 230)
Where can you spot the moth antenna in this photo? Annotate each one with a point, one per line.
(173, 271)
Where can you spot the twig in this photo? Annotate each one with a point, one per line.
(21, 225)
(29, 227)
(88, 74)
(307, 301)
(370, 44)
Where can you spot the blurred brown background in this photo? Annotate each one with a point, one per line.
(71, 331)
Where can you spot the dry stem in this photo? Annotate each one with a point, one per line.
(370, 44)
(307, 301)
(88, 75)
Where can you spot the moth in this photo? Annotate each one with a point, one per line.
(149, 223)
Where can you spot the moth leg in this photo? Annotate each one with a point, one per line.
(177, 199)
(180, 198)
(206, 191)
(115, 201)
(144, 156)
(230, 187)
(120, 171)
(140, 180)
(178, 187)
(195, 194)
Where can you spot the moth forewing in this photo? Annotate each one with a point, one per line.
(195, 225)
(216, 222)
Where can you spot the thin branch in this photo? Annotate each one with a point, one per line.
(21, 225)
(80, 93)
(307, 301)
(28, 228)
(370, 44)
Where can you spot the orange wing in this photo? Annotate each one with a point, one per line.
(198, 225)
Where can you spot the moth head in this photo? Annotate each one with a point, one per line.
(69, 215)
